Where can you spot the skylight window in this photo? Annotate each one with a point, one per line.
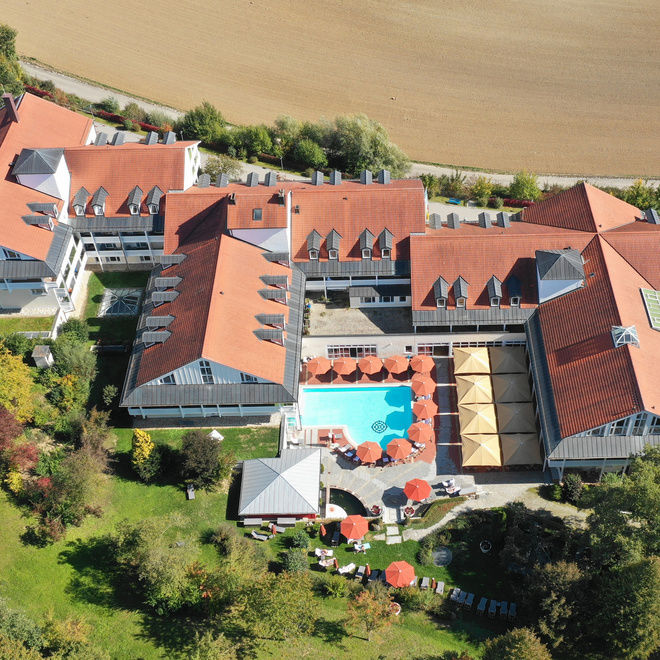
(257, 214)
(652, 302)
(625, 335)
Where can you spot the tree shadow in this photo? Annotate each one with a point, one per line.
(172, 633)
(331, 632)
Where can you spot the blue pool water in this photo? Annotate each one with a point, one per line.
(370, 413)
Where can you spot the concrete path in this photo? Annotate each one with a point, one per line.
(95, 93)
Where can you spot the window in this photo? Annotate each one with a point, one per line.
(355, 351)
(37, 292)
(515, 301)
(110, 260)
(313, 255)
(638, 424)
(10, 254)
(207, 374)
(332, 254)
(79, 209)
(247, 378)
(257, 214)
(167, 380)
(619, 427)
(387, 299)
(136, 246)
(441, 302)
(654, 426)
(460, 302)
(368, 299)
(133, 209)
(385, 253)
(153, 209)
(145, 257)
(494, 301)
(98, 209)
(366, 253)
(408, 348)
(403, 298)
(89, 247)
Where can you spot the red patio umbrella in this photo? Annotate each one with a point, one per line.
(370, 365)
(399, 448)
(399, 574)
(369, 452)
(420, 432)
(417, 490)
(422, 385)
(423, 364)
(344, 365)
(354, 527)
(319, 365)
(425, 409)
(396, 364)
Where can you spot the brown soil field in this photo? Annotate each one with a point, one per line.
(555, 86)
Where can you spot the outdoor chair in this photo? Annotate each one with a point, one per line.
(504, 609)
(374, 576)
(468, 602)
(512, 611)
(440, 588)
(481, 608)
(461, 597)
(324, 552)
(492, 608)
(276, 528)
(335, 539)
(359, 575)
(425, 583)
(344, 570)
(456, 592)
(260, 537)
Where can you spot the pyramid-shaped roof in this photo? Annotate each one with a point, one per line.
(559, 264)
(37, 161)
(288, 485)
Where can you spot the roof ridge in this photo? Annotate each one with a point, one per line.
(276, 473)
(296, 464)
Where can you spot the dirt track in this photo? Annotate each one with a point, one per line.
(555, 87)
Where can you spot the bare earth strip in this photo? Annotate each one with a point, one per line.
(557, 86)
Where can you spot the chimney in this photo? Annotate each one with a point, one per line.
(365, 177)
(12, 110)
(384, 177)
(435, 221)
(335, 178)
(503, 219)
(484, 220)
(453, 221)
(252, 180)
(204, 181)
(317, 179)
(270, 179)
(222, 181)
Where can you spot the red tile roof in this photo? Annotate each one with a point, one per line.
(215, 310)
(583, 208)
(120, 168)
(240, 215)
(476, 254)
(639, 245)
(41, 125)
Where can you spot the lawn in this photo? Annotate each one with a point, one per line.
(25, 324)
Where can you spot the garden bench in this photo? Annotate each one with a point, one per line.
(374, 576)
(440, 588)
(454, 200)
(286, 522)
(349, 568)
(252, 522)
(335, 539)
(260, 537)
(492, 608)
(461, 597)
(456, 592)
(359, 574)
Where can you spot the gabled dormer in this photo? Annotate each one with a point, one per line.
(460, 292)
(80, 202)
(441, 292)
(366, 244)
(385, 243)
(332, 243)
(514, 290)
(134, 200)
(558, 272)
(494, 288)
(98, 201)
(152, 200)
(313, 245)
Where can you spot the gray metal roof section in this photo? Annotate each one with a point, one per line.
(288, 485)
(118, 139)
(101, 140)
(380, 290)
(366, 177)
(332, 240)
(384, 177)
(203, 180)
(252, 180)
(165, 282)
(37, 161)
(453, 220)
(102, 223)
(270, 334)
(441, 288)
(222, 181)
(38, 220)
(278, 257)
(460, 287)
(169, 137)
(367, 240)
(559, 264)
(281, 281)
(494, 287)
(270, 179)
(99, 197)
(364, 267)
(164, 296)
(271, 319)
(435, 221)
(503, 219)
(385, 239)
(335, 178)
(171, 259)
(47, 208)
(152, 138)
(652, 216)
(594, 447)
(156, 336)
(484, 220)
(513, 286)
(314, 240)
(158, 321)
(81, 197)
(273, 294)
(153, 196)
(135, 197)
(24, 269)
(57, 251)
(461, 316)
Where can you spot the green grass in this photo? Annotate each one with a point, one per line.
(437, 511)
(8, 325)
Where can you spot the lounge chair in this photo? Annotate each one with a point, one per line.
(481, 608)
(512, 611)
(425, 583)
(456, 592)
(344, 570)
(492, 608)
(374, 576)
(324, 552)
(335, 539)
(461, 597)
(440, 588)
(359, 574)
(260, 537)
(504, 609)
(468, 602)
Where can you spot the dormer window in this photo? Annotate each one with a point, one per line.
(460, 302)
(494, 301)
(153, 209)
(98, 209)
(441, 302)
(257, 214)
(133, 209)
(366, 253)
(515, 301)
(332, 254)
(385, 253)
(313, 255)
(79, 210)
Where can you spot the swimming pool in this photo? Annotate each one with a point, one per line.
(370, 413)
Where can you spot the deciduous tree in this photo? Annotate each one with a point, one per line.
(517, 644)
(203, 123)
(145, 457)
(15, 386)
(525, 185)
(370, 610)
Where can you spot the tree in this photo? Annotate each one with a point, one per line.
(641, 195)
(276, 607)
(203, 123)
(299, 539)
(253, 139)
(135, 112)
(481, 189)
(309, 154)
(572, 488)
(222, 164)
(79, 330)
(10, 429)
(295, 561)
(627, 623)
(8, 42)
(516, 644)
(431, 183)
(18, 344)
(108, 104)
(145, 456)
(360, 143)
(109, 395)
(287, 131)
(200, 459)
(72, 356)
(525, 186)
(370, 609)
(11, 74)
(96, 437)
(453, 185)
(15, 386)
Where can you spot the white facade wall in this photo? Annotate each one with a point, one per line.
(549, 289)
(191, 166)
(273, 239)
(190, 374)
(55, 185)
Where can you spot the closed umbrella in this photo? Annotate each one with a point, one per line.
(420, 432)
(368, 570)
(369, 452)
(425, 409)
(344, 365)
(322, 531)
(400, 574)
(396, 364)
(319, 365)
(354, 527)
(399, 448)
(423, 364)
(370, 365)
(417, 490)
(422, 385)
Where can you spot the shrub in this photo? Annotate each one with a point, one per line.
(554, 493)
(299, 539)
(309, 154)
(203, 123)
(481, 189)
(425, 556)
(295, 561)
(48, 462)
(201, 459)
(18, 344)
(19, 628)
(518, 644)
(127, 124)
(572, 488)
(72, 356)
(77, 329)
(525, 186)
(222, 164)
(336, 586)
(144, 455)
(108, 104)
(416, 599)
(158, 118)
(109, 395)
(134, 111)
(14, 481)
(496, 202)
(252, 160)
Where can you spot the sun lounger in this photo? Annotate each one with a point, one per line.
(345, 570)
(456, 592)
(324, 552)
(504, 609)
(252, 522)
(335, 539)
(343, 449)
(512, 611)
(260, 537)
(362, 547)
(326, 563)
(492, 608)
(359, 575)
(440, 588)
(425, 583)
(481, 608)
(468, 602)
(374, 576)
(461, 597)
